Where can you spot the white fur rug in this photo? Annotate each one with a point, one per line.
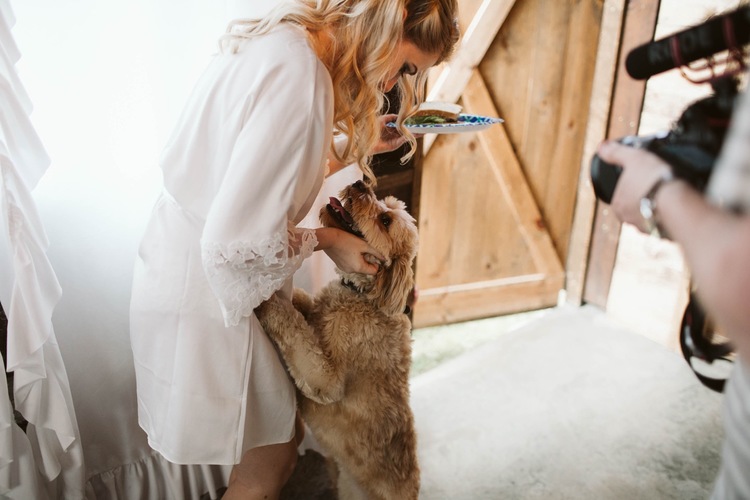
(568, 406)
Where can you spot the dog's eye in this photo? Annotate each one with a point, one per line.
(385, 219)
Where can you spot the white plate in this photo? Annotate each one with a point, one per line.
(466, 123)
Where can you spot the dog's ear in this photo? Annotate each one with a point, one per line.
(393, 285)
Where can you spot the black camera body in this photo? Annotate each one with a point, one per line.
(690, 147)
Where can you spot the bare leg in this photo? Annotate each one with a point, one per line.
(263, 471)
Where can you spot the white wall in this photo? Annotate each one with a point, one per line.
(108, 79)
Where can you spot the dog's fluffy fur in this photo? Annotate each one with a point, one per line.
(348, 349)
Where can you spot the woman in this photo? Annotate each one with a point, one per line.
(241, 169)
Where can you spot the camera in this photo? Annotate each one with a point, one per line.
(690, 147)
(693, 144)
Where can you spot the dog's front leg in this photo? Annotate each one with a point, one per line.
(309, 364)
(303, 302)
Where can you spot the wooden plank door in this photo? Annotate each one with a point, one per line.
(496, 207)
(626, 108)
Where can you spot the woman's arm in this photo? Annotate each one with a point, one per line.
(715, 242)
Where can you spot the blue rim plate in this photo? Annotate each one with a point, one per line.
(466, 123)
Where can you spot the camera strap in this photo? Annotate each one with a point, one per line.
(711, 363)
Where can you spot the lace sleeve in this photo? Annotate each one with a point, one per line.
(244, 274)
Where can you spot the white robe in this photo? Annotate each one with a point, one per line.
(241, 169)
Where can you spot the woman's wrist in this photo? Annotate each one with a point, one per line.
(648, 206)
(667, 199)
(334, 165)
(326, 237)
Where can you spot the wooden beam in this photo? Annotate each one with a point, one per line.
(476, 40)
(596, 130)
(389, 182)
(627, 104)
(440, 306)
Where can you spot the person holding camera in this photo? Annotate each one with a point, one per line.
(713, 230)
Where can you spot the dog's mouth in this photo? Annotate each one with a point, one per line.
(342, 217)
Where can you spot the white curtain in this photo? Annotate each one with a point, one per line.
(47, 460)
(79, 175)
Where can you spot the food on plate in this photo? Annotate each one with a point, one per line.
(434, 113)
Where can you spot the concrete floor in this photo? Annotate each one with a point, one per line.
(568, 405)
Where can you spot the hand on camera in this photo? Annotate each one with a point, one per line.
(640, 171)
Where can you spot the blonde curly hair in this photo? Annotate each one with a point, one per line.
(365, 36)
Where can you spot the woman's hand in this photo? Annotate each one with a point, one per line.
(640, 170)
(390, 138)
(350, 253)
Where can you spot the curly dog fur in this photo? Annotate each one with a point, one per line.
(348, 350)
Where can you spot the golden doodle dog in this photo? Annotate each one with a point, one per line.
(348, 350)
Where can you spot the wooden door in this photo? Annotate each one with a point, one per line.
(496, 207)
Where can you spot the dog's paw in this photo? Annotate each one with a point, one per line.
(303, 302)
(272, 315)
(261, 312)
(274, 306)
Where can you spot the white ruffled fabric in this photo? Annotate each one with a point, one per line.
(29, 291)
(153, 477)
(19, 477)
(9, 55)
